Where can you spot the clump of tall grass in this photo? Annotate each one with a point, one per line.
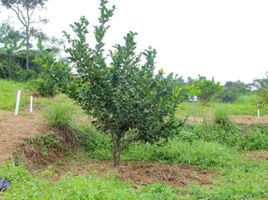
(59, 116)
(221, 115)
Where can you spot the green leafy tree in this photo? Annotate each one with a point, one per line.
(55, 74)
(205, 90)
(11, 41)
(261, 87)
(126, 98)
(232, 90)
(24, 10)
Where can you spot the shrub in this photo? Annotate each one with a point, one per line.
(247, 138)
(46, 87)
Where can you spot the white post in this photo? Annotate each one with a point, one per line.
(31, 104)
(18, 103)
(258, 113)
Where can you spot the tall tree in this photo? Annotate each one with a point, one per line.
(24, 10)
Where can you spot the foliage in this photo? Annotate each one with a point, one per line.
(232, 90)
(205, 90)
(54, 74)
(252, 138)
(11, 41)
(122, 94)
(263, 91)
(24, 10)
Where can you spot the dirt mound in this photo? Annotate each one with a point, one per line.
(174, 175)
(13, 129)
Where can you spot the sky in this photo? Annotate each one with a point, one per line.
(224, 39)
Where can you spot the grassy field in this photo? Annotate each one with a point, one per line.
(199, 110)
(8, 92)
(234, 159)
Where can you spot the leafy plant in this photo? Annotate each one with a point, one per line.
(126, 97)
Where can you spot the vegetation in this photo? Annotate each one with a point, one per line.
(24, 11)
(120, 95)
(8, 92)
(122, 109)
(205, 90)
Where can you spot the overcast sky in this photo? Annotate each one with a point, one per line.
(227, 39)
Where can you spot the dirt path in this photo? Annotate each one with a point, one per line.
(13, 129)
(239, 119)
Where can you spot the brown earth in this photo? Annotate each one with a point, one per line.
(174, 175)
(239, 119)
(14, 129)
(142, 173)
(258, 155)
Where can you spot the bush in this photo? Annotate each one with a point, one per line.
(248, 138)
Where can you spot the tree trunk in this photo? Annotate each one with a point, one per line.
(27, 47)
(116, 149)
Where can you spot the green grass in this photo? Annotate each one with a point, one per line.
(199, 110)
(26, 186)
(214, 147)
(8, 94)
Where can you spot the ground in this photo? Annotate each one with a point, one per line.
(239, 119)
(14, 128)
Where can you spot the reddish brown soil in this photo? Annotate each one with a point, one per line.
(174, 175)
(13, 129)
(239, 119)
(258, 155)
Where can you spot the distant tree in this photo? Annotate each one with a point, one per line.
(232, 90)
(260, 86)
(11, 42)
(125, 97)
(55, 74)
(24, 10)
(206, 90)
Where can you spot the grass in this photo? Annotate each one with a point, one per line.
(199, 110)
(8, 93)
(214, 147)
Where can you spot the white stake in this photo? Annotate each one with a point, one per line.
(18, 103)
(31, 104)
(258, 113)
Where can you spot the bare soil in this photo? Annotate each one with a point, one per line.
(14, 129)
(239, 119)
(142, 173)
(174, 175)
(258, 155)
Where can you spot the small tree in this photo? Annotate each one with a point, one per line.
(126, 98)
(54, 73)
(24, 10)
(206, 90)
